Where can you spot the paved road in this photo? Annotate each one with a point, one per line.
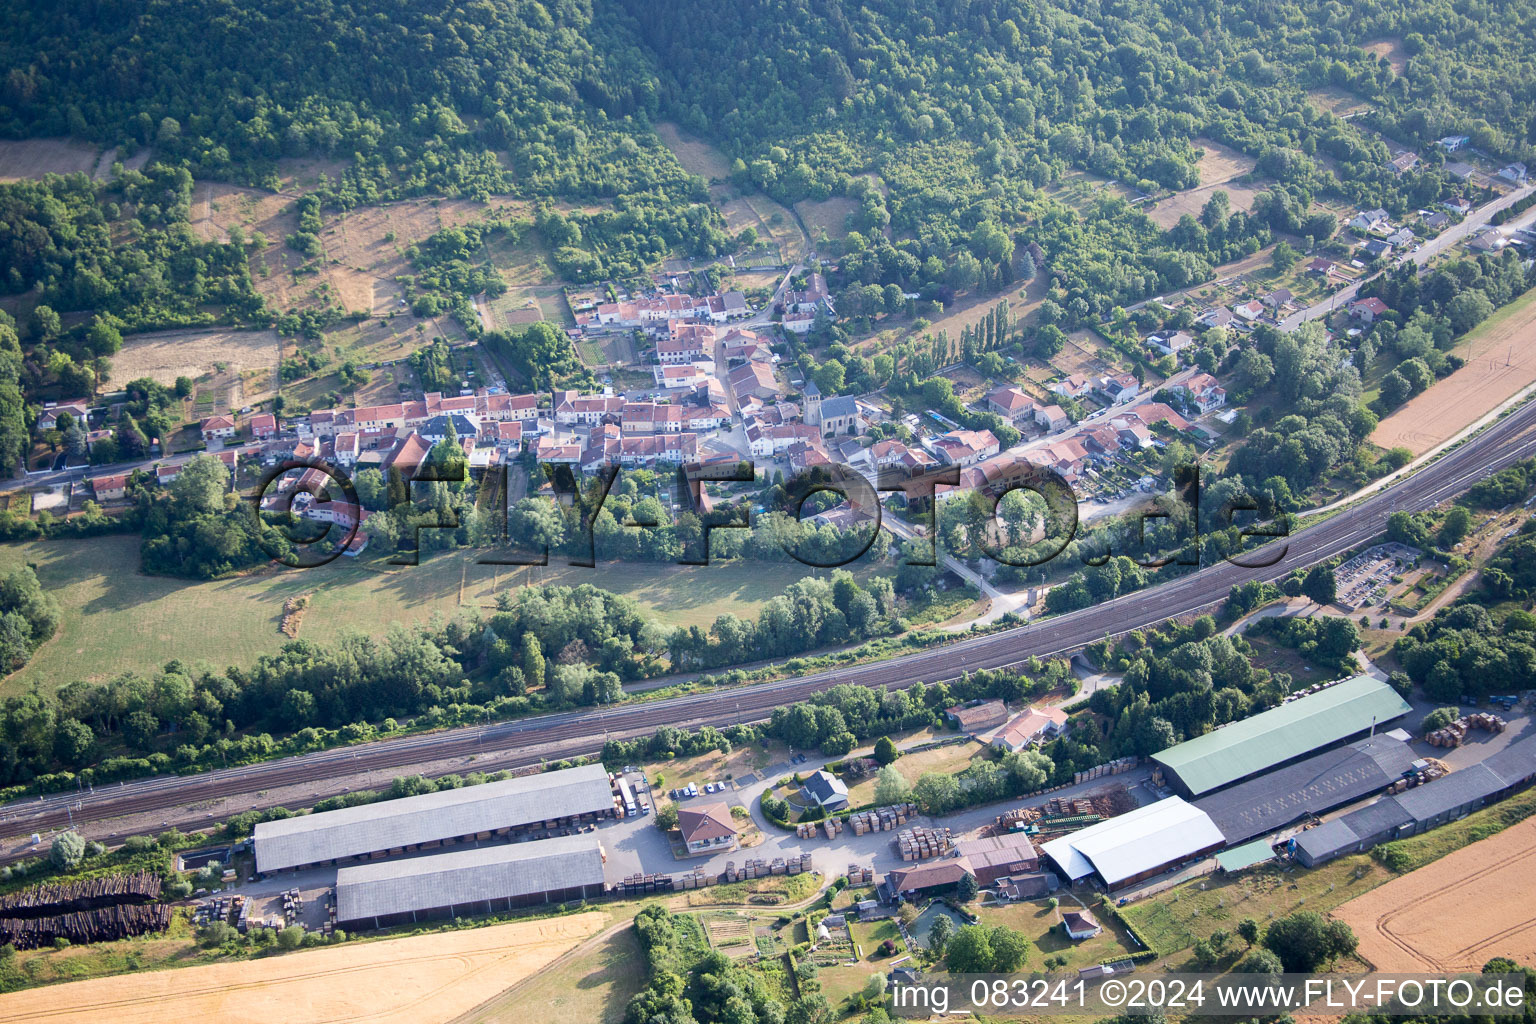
(548, 737)
(1441, 243)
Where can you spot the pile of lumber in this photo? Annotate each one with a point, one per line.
(922, 843)
(104, 924)
(84, 894)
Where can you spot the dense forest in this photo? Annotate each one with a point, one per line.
(948, 122)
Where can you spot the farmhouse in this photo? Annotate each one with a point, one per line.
(218, 426)
(1280, 735)
(924, 880)
(75, 407)
(1036, 725)
(753, 379)
(1118, 388)
(965, 447)
(994, 857)
(973, 718)
(433, 819)
(1136, 845)
(1012, 404)
(1079, 925)
(707, 829)
(110, 488)
(1204, 392)
(1367, 310)
(466, 882)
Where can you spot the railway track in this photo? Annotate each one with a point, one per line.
(568, 734)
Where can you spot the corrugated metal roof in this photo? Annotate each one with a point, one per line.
(1133, 843)
(1275, 736)
(350, 831)
(467, 876)
(1376, 819)
(1245, 856)
(1312, 786)
(1327, 839)
(1516, 762)
(1450, 792)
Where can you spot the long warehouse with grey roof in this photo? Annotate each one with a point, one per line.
(1423, 807)
(483, 880)
(1314, 785)
(423, 822)
(1279, 736)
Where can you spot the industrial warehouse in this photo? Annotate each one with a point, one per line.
(391, 827)
(474, 881)
(1314, 785)
(1136, 845)
(1236, 752)
(1422, 808)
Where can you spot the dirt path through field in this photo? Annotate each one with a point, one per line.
(419, 980)
(1501, 360)
(1456, 913)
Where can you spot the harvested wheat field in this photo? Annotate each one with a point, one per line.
(1456, 913)
(417, 980)
(165, 355)
(1500, 362)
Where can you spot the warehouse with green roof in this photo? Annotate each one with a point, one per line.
(1299, 727)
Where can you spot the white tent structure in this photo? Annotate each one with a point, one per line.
(1136, 845)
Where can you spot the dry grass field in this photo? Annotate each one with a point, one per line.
(1456, 913)
(826, 215)
(33, 158)
(1168, 211)
(944, 760)
(1389, 50)
(165, 355)
(1500, 362)
(420, 980)
(1220, 162)
(1337, 101)
(696, 156)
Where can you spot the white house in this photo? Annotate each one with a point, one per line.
(1204, 392)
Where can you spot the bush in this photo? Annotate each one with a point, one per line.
(67, 851)
(290, 937)
(179, 889)
(1440, 718)
(215, 934)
